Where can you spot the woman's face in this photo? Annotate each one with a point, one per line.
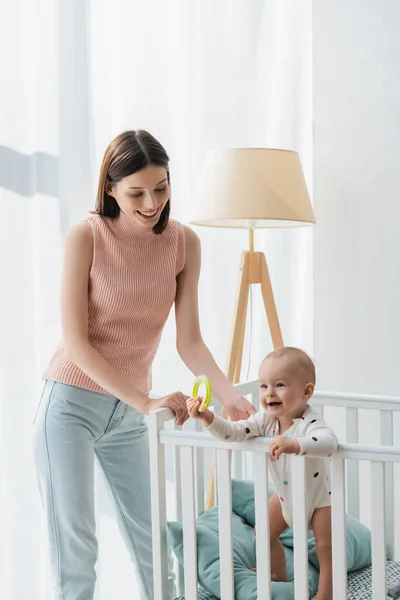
(143, 195)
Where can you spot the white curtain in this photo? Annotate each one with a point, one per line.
(197, 74)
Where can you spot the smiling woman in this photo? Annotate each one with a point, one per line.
(147, 198)
(135, 178)
(124, 269)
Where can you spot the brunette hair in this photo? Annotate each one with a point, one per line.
(128, 153)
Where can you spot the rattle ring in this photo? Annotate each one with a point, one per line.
(202, 380)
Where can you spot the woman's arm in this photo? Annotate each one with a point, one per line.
(190, 344)
(78, 258)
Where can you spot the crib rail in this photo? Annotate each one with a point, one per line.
(189, 447)
(353, 404)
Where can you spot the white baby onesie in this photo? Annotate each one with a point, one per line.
(316, 440)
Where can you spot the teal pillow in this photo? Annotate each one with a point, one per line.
(358, 535)
(244, 558)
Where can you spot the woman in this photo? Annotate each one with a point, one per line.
(124, 267)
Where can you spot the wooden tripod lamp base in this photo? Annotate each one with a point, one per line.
(253, 270)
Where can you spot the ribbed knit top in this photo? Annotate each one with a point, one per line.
(132, 287)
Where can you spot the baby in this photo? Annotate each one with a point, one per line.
(287, 381)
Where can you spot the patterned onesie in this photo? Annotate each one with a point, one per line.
(316, 440)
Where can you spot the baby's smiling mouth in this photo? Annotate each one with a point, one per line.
(274, 403)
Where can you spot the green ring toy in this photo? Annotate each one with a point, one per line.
(202, 380)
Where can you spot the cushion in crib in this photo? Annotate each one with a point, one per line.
(359, 583)
(358, 535)
(244, 558)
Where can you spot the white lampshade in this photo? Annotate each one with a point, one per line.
(252, 187)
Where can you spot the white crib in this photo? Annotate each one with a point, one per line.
(346, 413)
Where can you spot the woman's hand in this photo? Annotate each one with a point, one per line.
(176, 402)
(239, 409)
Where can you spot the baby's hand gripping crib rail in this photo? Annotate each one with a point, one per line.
(189, 484)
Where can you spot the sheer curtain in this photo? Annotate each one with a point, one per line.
(198, 75)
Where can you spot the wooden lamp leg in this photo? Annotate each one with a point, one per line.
(270, 307)
(235, 352)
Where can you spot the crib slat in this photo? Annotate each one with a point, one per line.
(225, 524)
(247, 459)
(177, 478)
(158, 510)
(378, 531)
(255, 400)
(189, 524)
(249, 465)
(387, 440)
(300, 528)
(339, 547)
(199, 474)
(353, 497)
(260, 470)
(215, 478)
(237, 464)
(178, 503)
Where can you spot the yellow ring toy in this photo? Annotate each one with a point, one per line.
(202, 380)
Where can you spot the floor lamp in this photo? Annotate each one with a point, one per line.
(251, 188)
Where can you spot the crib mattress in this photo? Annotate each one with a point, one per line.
(358, 583)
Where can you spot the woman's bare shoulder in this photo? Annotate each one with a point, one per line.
(81, 232)
(192, 240)
(79, 240)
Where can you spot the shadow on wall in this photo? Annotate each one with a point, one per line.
(28, 174)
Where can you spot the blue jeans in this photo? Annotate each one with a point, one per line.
(72, 426)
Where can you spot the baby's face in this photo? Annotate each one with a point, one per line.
(283, 392)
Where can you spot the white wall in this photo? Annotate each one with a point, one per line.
(356, 55)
